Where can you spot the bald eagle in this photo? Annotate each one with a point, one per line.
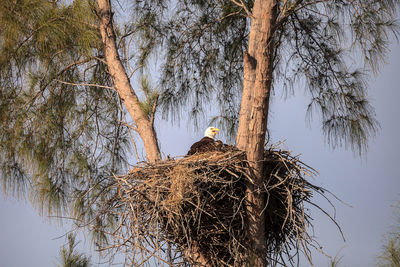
(207, 143)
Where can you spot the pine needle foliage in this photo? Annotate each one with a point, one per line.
(204, 45)
(390, 257)
(61, 133)
(333, 45)
(149, 103)
(69, 257)
(390, 254)
(327, 48)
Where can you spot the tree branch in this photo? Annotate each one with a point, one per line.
(153, 109)
(122, 84)
(242, 5)
(86, 84)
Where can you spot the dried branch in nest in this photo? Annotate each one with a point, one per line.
(170, 208)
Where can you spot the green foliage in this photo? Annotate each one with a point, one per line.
(198, 46)
(328, 47)
(151, 96)
(59, 136)
(70, 258)
(204, 45)
(332, 45)
(390, 254)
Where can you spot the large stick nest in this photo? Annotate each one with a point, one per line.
(177, 207)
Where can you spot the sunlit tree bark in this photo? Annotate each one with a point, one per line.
(144, 125)
(258, 70)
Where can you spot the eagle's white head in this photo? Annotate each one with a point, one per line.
(211, 132)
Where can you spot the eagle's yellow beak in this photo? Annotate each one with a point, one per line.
(215, 130)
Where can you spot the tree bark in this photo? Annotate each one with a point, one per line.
(144, 126)
(253, 117)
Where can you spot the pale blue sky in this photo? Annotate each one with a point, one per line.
(370, 184)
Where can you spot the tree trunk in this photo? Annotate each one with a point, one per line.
(144, 126)
(258, 68)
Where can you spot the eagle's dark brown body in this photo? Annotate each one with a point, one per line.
(204, 145)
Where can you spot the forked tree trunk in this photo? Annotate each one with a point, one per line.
(144, 126)
(258, 68)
